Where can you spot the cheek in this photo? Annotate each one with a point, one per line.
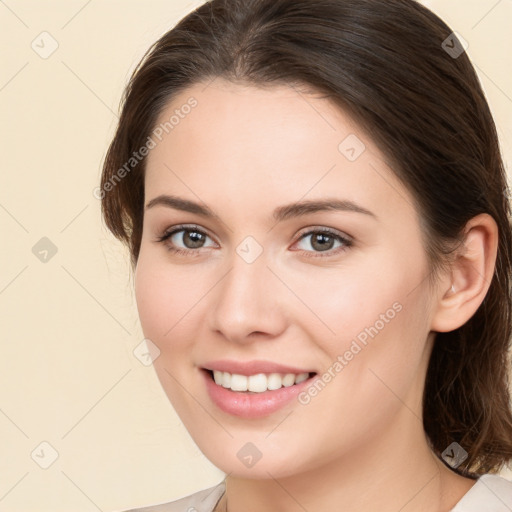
(355, 298)
(167, 301)
(164, 297)
(152, 302)
(380, 357)
(379, 320)
(165, 291)
(368, 383)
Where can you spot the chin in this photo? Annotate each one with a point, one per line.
(245, 460)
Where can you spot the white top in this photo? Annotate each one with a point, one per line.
(490, 493)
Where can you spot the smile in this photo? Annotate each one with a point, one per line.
(254, 396)
(258, 383)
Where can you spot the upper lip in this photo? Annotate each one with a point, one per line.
(252, 367)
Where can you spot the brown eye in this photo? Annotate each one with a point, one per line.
(324, 240)
(184, 239)
(191, 239)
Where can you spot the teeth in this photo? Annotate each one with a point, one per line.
(238, 382)
(274, 381)
(257, 383)
(300, 378)
(225, 380)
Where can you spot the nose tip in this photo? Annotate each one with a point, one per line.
(245, 303)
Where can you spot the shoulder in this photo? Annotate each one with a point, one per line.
(201, 501)
(492, 493)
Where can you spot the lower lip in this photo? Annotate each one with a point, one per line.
(252, 405)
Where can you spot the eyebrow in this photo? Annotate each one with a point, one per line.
(281, 213)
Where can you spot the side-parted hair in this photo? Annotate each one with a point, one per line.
(398, 71)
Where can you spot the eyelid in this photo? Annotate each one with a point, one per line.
(324, 229)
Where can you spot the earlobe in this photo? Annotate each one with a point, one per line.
(470, 276)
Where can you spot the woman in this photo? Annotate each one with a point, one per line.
(316, 209)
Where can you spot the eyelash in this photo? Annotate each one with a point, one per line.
(318, 254)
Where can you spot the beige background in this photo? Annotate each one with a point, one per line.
(69, 325)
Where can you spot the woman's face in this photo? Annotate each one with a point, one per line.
(257, 281)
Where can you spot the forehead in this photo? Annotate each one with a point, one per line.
(251, 119)
(276, 143)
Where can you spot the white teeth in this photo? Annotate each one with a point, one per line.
(300, 378)
(226, 379)
(238, 382)
(274, 381)
(257, 383)
(288, 380)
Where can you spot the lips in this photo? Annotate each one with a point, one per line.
(246, 404)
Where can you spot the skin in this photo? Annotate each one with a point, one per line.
(244, 151)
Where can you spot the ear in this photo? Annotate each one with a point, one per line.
(464, 287)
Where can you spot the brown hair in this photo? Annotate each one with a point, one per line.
(396, 68)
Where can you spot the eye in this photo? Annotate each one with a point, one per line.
(190, 236)
(323, 240)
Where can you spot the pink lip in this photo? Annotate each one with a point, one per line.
(252, 405)
(252, 367)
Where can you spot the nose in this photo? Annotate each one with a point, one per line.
(248, 303)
